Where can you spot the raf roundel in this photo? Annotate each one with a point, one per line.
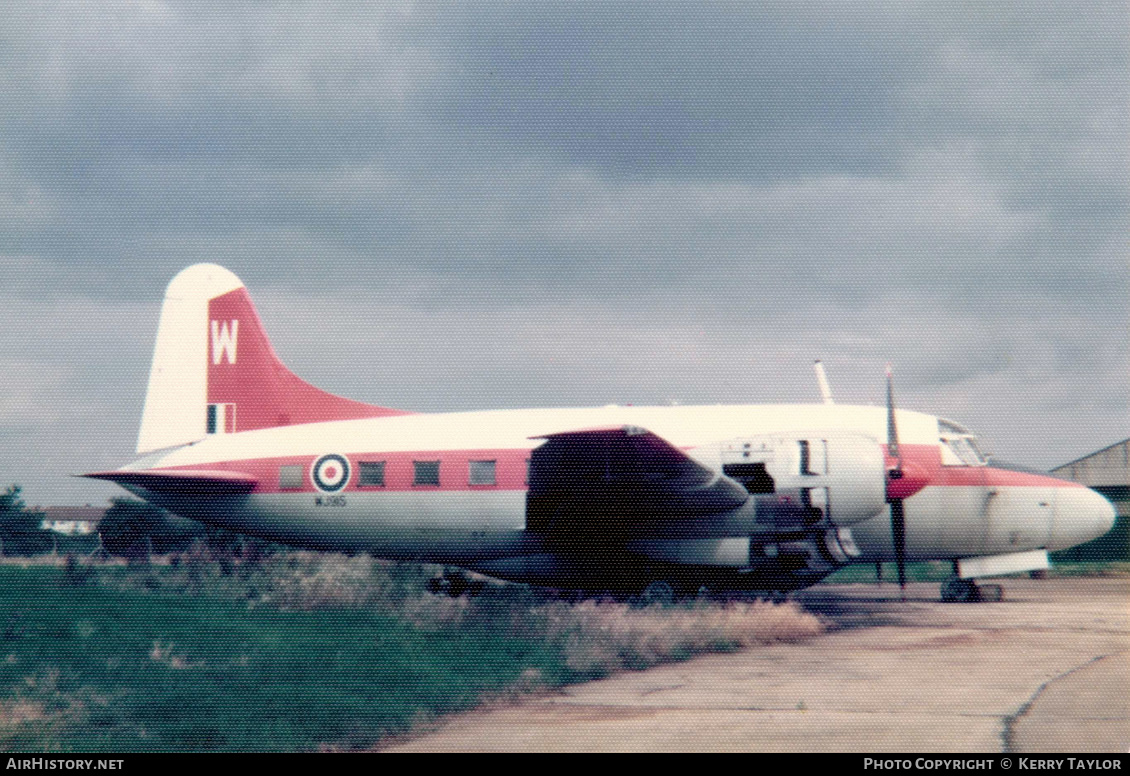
(330, 473)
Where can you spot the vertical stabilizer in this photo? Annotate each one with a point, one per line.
(178, 380)
(214, 370)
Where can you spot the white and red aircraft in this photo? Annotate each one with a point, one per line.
(628, 499)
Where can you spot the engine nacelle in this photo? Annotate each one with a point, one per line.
(841, 474)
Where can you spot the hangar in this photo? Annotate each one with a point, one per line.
(1108, 472)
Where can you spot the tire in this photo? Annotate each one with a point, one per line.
(991, 593)
(960, 591)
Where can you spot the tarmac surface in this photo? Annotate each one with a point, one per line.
(1045, 670)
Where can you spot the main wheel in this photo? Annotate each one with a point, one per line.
(991, 593)
(960, 591)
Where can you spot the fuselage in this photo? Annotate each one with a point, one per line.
(452, 488)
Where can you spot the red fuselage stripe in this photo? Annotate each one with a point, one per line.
(511, 471)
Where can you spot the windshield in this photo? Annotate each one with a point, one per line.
(959, 446)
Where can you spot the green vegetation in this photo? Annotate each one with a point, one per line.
(134, 529)
(939, 571)
(20, 532)
(1113, 546)
(919, 571)
(304, 651)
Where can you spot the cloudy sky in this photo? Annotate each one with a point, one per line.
(449, 206)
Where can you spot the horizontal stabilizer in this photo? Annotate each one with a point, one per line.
(177, 482)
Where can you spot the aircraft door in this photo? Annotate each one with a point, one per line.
(836, 477)
(748, 461)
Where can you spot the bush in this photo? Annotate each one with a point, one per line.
(133, 529)
(1113, 546)
(20, 528)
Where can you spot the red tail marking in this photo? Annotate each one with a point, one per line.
(243, 370)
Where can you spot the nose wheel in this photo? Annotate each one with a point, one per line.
(965, 591)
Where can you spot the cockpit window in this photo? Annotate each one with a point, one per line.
(965, 450)
(949, 428)
(959, 446)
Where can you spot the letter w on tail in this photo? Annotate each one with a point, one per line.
(223, 341)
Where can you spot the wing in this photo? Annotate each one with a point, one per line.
(621, 477)
(182, 482)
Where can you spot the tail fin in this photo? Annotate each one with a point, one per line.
(214, 370)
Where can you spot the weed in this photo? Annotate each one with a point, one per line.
(599, 638)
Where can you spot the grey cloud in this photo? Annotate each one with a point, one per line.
(666, 89)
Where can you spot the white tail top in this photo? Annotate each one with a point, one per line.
(178, 380)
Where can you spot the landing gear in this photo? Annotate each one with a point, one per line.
(966, 591)
(992, 593)
(960, 591)
(658, 592)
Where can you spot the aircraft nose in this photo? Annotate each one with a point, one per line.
(1081, 514)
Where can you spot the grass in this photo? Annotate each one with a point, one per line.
(135, 671)
(918, 571)
(305, 651)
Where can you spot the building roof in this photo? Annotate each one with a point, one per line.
(1108, 467)
(56, 513)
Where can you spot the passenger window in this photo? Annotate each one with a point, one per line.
(371, 474)
(426, 473)
(290, 477)
(482, 473)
